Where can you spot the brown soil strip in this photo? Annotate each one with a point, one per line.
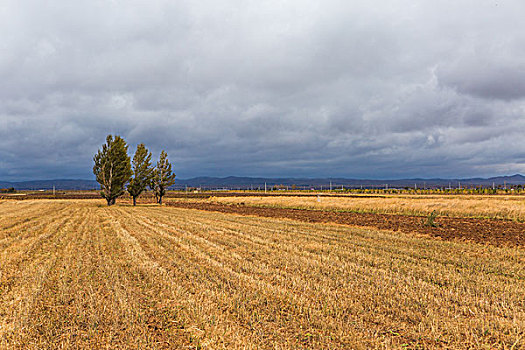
(485, 231)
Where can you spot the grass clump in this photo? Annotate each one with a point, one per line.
(431, 220)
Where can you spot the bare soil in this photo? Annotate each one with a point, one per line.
(485, 231)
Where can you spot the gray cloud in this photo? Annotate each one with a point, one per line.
(489, 80)
(295, 88)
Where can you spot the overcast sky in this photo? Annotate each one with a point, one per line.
(367, 89)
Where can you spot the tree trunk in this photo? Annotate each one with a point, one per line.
(160, 200)
(134, 200)
(110, 201)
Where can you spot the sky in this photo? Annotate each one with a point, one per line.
(277, 88)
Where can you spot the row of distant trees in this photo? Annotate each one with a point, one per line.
(117, 173)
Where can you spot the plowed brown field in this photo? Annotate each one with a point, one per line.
(78, 274)
(497, 232)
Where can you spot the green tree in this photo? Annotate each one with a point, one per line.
(162, 178)
(142, 172)
(112, 168)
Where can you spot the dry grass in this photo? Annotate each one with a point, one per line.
(500, 207)
(79, 274)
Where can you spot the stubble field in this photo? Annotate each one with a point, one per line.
(508, 207)
(74, 273)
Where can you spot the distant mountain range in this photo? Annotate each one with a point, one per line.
(234, 182)
(60, 184)
(251, 182)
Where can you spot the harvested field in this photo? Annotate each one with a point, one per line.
(496, 232)
(486, 206)
(80, 274)
(508, 207)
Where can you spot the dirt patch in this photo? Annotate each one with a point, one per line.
(488, 231)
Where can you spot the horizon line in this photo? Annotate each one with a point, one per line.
(292, 177)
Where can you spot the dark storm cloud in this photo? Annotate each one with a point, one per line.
(275, 88)
(486, 80)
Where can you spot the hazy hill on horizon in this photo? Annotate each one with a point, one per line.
(233, 182)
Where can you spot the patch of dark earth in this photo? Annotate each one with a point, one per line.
(484, 231)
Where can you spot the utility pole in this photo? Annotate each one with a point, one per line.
(265, 187)
(330, 186)
(53, 190)
(459, 185)
(493, 185)
(505, 185)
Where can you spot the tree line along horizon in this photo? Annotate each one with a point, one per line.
(117, 173)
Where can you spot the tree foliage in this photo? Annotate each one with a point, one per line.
(142, 172)
(163, 177)
(112, 168)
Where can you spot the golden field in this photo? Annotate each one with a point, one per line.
(78, 274)
(498, 207)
